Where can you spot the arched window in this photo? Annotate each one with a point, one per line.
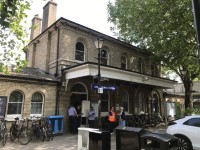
(79, 54)
(79, 93)
(140, 65)
(15, 104)
(123, 62)
(104, 101)
(104, 57)
(155, 103)
(37, 104)
(141, 103)
(152, 70)
(125, 100)
(78, 88)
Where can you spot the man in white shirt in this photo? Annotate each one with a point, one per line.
(72, 119)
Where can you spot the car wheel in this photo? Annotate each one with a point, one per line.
(184, 143)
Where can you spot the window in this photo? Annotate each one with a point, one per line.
(140, 65)
(152, 70)
(104, 102)
(15, 103)
(104, 57)
(141, 102)
(123, 62)
(125, 100)
(195, 122)
(37, 104)
(79, 55)
(78, 88)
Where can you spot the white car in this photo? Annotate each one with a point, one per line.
(187, 130)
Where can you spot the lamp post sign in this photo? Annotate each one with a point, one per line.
(100, 90)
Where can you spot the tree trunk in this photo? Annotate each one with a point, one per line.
(188, 90)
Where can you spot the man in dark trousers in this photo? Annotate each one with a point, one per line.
(72, 119)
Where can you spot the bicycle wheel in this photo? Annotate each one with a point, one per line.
(24, 137)
(13, 133)
(41, 135)
(49, 133)
(4, 137)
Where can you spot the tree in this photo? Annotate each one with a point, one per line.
(12, 32)
(164, 28)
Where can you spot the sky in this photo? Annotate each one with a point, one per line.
(89, 13)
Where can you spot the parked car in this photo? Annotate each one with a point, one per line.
(187, 130)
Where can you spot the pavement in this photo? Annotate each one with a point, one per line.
(61, 142)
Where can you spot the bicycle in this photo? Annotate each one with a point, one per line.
(36, 129)
(20, 132)
(3, 132)
(47, 130)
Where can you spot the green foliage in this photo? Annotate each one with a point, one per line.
(195, 111)
(13, 35)
(164, 28)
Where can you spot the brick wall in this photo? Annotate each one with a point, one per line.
(27, 89)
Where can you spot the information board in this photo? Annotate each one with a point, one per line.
(3, 103)
(85, 108)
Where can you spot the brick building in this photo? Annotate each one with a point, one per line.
(66, 50)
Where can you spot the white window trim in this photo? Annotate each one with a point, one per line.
(12, 117)
(38, 115)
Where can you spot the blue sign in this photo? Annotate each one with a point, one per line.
(106, 87)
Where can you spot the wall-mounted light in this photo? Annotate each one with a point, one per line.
(144, 78)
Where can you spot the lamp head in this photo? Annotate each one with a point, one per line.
(98, 43)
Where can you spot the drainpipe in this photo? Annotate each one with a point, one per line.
(56, 74)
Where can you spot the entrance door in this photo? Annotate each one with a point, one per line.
(76, 99)
(78, 95)
(155, 104)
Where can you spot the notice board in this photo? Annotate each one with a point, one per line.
(85, 108)
(3, 103)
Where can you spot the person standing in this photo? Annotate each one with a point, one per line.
(91, 117)
(72, 119)
(111, 119)
(122, 117)
(79, 118)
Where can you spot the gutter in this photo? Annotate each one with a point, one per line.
(56, 74)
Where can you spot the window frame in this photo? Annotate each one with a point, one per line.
(140, 66)
(153, 71)
(127, 99)
(188, 123)
(104, 60)
(12, 116)
(80, 51)
(124, 63)
(42, 109)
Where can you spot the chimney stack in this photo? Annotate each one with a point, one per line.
(36, 27)
(49, 14)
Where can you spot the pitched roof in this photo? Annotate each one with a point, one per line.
(29, 73)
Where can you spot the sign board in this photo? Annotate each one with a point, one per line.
(100, 90)
(3, 103)
(106, 87)
(85, 108)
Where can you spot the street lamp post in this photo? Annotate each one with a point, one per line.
(98, 44)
